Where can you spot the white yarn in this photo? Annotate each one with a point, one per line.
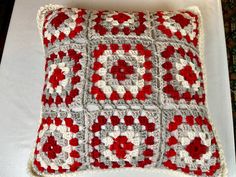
(196, 10)
(42, 12)
(40, 20)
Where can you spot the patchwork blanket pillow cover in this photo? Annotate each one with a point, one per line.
(124, 90)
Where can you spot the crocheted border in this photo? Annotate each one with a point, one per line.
(40, 19)
(202, 58)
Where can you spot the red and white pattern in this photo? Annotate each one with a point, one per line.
(123, 89)
(124, 139)
(122, 72)
(57, 78)
(190, 144)
(181, 75)
(57, 145)
(183, 26)
(64, 24)
(105, 24)
(64, 77)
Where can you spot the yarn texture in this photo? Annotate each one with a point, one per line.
(124, 90)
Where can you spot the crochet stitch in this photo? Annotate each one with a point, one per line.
(124, 90)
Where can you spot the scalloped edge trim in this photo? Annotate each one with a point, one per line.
(224, 171)
(42, 12)
(201, 44)
(167, 172)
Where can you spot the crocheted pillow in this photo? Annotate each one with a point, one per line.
(122, 90)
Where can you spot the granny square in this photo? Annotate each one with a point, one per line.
(124, 90)
(174, 25)
(181, 77)
(122, 74)
(138, 132)
(64, 27)
(104, 24)
(60, 142)
(64, 78)
(189, 136)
